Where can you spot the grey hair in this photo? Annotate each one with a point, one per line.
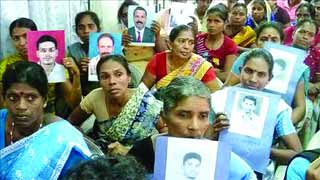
(181, 88)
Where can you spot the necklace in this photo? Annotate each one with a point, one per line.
(12, 130)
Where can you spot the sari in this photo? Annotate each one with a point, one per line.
(135, 122)
(246, 37)
(196, 67)
(53, 150)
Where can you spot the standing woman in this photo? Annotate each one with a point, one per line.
(243, 36)
(85, 22)
(260, 12)
(214, 46)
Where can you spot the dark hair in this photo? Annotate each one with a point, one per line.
(251, 98)
(262, 3)
(309, 7)
(260, 53)
(103, 35)
(92, 15)
(111, 168)
(274, 25)
(46, 38)
(281, 63)
(139, 8)
(191, 155)
(301, 23)
(178, 29)
(240, 5)
(219, 10)
(125, 4)
(22, 23)
(25, 72)
(117, 58)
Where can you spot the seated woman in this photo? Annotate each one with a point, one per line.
(123, 115)
(186, 110)
(28, 135)
(273, 33)
(179, 61)
(260, 12)
(255, 74)
(214, 46)
(69, 91)
(243, 36)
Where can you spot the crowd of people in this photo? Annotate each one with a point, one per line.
(177, 88)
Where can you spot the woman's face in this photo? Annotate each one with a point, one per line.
(268, 34)
(302, 14)
(257, 12)
(215, 24)
(189, 118)
(19, 38)
(183, 45)
(124, 16)
(304, 35)
(238, 16)
(254, 74)
(25, 105)
(114, 79)
(86, 25)
(317, 11)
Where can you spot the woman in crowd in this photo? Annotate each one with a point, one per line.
(186, 110)
(67, 92)
(123, 115)
(273, 33)
(85, 23)
(280, 14)
(303, 11)
(256, 74)
(28, 135)
(260, 12)
(243, 36)
(214, 46)
(179, 61)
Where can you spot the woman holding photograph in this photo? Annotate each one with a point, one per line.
(123, 115)
(27, 134)
(271, 32)
(256, 74)
(186, 112)
(179, 61)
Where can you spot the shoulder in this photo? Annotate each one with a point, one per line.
(131, 29)
(239, 169)
(94, 93)
(297, 168)
(201, 36)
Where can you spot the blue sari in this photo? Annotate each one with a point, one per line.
(46, 154)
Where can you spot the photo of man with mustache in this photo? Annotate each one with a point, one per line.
(139, 32)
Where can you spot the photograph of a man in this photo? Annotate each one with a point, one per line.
(279, 67)
(105, 46)
(281, 77)
(246, 117)
(191, 165)
(140, 33)
(47, 53)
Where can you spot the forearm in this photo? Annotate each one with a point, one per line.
(76, 93)
(298, 114)
(282, 156)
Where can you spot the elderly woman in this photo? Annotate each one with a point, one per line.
(123, 115)
(179, 61)
(27, 135)
(186, 110)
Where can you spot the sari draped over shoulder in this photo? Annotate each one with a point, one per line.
(46, 154)
(246, 37)
(196, 67)
(136, 121)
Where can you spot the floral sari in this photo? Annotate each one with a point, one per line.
(196, 67)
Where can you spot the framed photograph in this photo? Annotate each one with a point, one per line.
(184, 158)
(179, 14)
(252, 123)
(287, 70)
(102, 44)
(47, 48)
(139, 25)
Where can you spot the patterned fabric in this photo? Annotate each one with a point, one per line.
(135, 122)
(246, 37)
(196, 67)
(46, 154)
